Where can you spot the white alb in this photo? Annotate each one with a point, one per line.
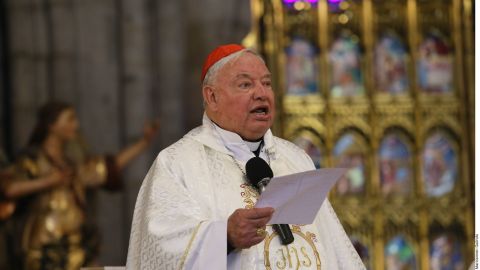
(192, 188)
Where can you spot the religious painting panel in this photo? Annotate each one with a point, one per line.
(312, 145)
(345, 66)
(446, 250)
(390, 47)
(302, 68)
(435, 63)
(301, 47)
(329, 54)
(440, 164)
(350, 151)
(435, 51)
(390, 64)
(399, 254)
(396, 161)
(345, 48)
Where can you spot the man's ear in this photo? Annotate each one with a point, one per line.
(209, 97)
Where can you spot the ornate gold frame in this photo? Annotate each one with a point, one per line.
(416, 114)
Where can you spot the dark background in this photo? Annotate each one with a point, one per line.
(119, 62)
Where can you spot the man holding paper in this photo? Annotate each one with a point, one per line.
(196, 210)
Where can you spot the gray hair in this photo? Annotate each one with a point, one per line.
(212, 72)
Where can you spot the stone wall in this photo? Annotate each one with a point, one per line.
(119, 62)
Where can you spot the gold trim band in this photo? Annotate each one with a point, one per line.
(185, 254)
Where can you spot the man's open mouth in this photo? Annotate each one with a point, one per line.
(260, 110)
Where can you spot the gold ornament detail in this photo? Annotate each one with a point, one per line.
(300, 256)
(249, 195)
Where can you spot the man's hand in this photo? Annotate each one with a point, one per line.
(243, 224)
(150, 130)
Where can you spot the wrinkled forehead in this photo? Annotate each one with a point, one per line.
(247, 64)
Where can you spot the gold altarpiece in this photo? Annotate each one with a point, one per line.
(386, 89)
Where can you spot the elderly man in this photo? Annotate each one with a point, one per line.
(196, 210)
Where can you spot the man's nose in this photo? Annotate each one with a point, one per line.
(260, 92)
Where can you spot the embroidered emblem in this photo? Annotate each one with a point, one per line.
(303, 254)
(249, 195)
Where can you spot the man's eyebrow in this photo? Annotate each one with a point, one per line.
(245, 75)
(242, 75)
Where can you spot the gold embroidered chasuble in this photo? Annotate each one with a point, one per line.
(197, 183)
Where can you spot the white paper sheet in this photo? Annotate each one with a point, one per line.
(297, 198)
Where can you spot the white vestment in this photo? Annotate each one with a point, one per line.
(180, 219)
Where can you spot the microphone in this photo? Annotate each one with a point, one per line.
(259, 174)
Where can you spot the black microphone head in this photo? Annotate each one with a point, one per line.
(257, 169)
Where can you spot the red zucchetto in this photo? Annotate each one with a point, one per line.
(217, 54)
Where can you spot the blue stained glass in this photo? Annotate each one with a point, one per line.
(435, 65)
(302, 69)
(399, 254)
(445, 253)
(346, 74)
(395, 166)
(348, 154)
(440, 165)
(390, 65)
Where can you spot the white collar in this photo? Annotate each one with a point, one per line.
(229, 137)
(253, 146)
(229, 142)
(235, 144)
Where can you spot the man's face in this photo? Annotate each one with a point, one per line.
(242, 100)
